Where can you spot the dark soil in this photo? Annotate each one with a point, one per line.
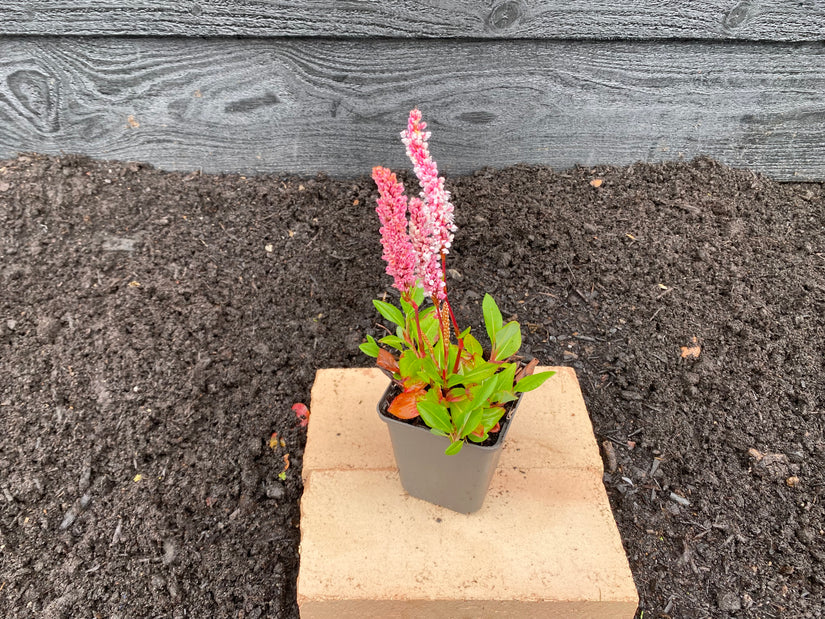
(155, 329)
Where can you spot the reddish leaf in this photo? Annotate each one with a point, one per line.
(527, 370)
(479, 431)
(412, 384)
(386, 361)
(404, 406)
(301, 413)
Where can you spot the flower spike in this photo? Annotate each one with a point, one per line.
(432, 234)
(392, 212)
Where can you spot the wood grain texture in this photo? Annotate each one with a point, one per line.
(337, 106)
(767, 20)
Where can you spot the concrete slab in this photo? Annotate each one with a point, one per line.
(544, 543)
(551, 429)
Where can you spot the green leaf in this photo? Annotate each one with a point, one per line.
(503, 398)
(492, 318)
(408, 364)
(390, 312)
(429, 372)
(409, 305)
(369, 347)
(504, 388)
(472, 422)
(438, 355)
(506, 377)
(528, 383)
(407, 308)
(466, 413)
(282, 475)
(452, 358)
(508, 341)
(429, 325)
(472, 346)
(477, 439)
(460, 411)
(483, 392)
(435, 415)
(415, 299)
(393, 341)
(427, 311)
(491, 416)
(438, 432)
(473, 377)
(417, 295)
(454, 448)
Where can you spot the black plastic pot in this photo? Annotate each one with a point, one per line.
(458, 482)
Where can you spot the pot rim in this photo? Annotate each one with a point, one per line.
(506, 422)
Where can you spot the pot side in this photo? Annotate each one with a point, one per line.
(458, 482)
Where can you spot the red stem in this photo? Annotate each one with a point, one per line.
(458, 358)
(452, 316)
(421, 353)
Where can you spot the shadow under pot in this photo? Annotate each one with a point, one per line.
(458, 482)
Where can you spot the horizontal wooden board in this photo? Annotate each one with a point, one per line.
(774, 20)
(337, 106)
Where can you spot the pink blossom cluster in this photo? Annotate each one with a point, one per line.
(431, 224)
(392, 212)
(436, 199)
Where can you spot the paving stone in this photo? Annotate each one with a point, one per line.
(544, 543)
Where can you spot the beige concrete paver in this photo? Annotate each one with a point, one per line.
(551, 429)
(348, 433)
(543, 545)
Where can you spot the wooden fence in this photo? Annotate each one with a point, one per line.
(325, 85)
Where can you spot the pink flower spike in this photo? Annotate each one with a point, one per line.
(399, 253)
(437, 222)
(428, 260)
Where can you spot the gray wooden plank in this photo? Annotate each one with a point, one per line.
(775, 20)
(304, 106)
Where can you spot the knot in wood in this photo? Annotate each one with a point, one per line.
(505, 15)
(36, 93)
(738, 15)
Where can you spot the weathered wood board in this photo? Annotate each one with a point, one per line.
(773, 20)
(307, 105)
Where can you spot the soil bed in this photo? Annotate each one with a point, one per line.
(155, 329)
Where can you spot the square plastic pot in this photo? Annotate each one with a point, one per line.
(458, 482)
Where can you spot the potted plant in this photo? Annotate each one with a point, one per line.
(450, 402)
